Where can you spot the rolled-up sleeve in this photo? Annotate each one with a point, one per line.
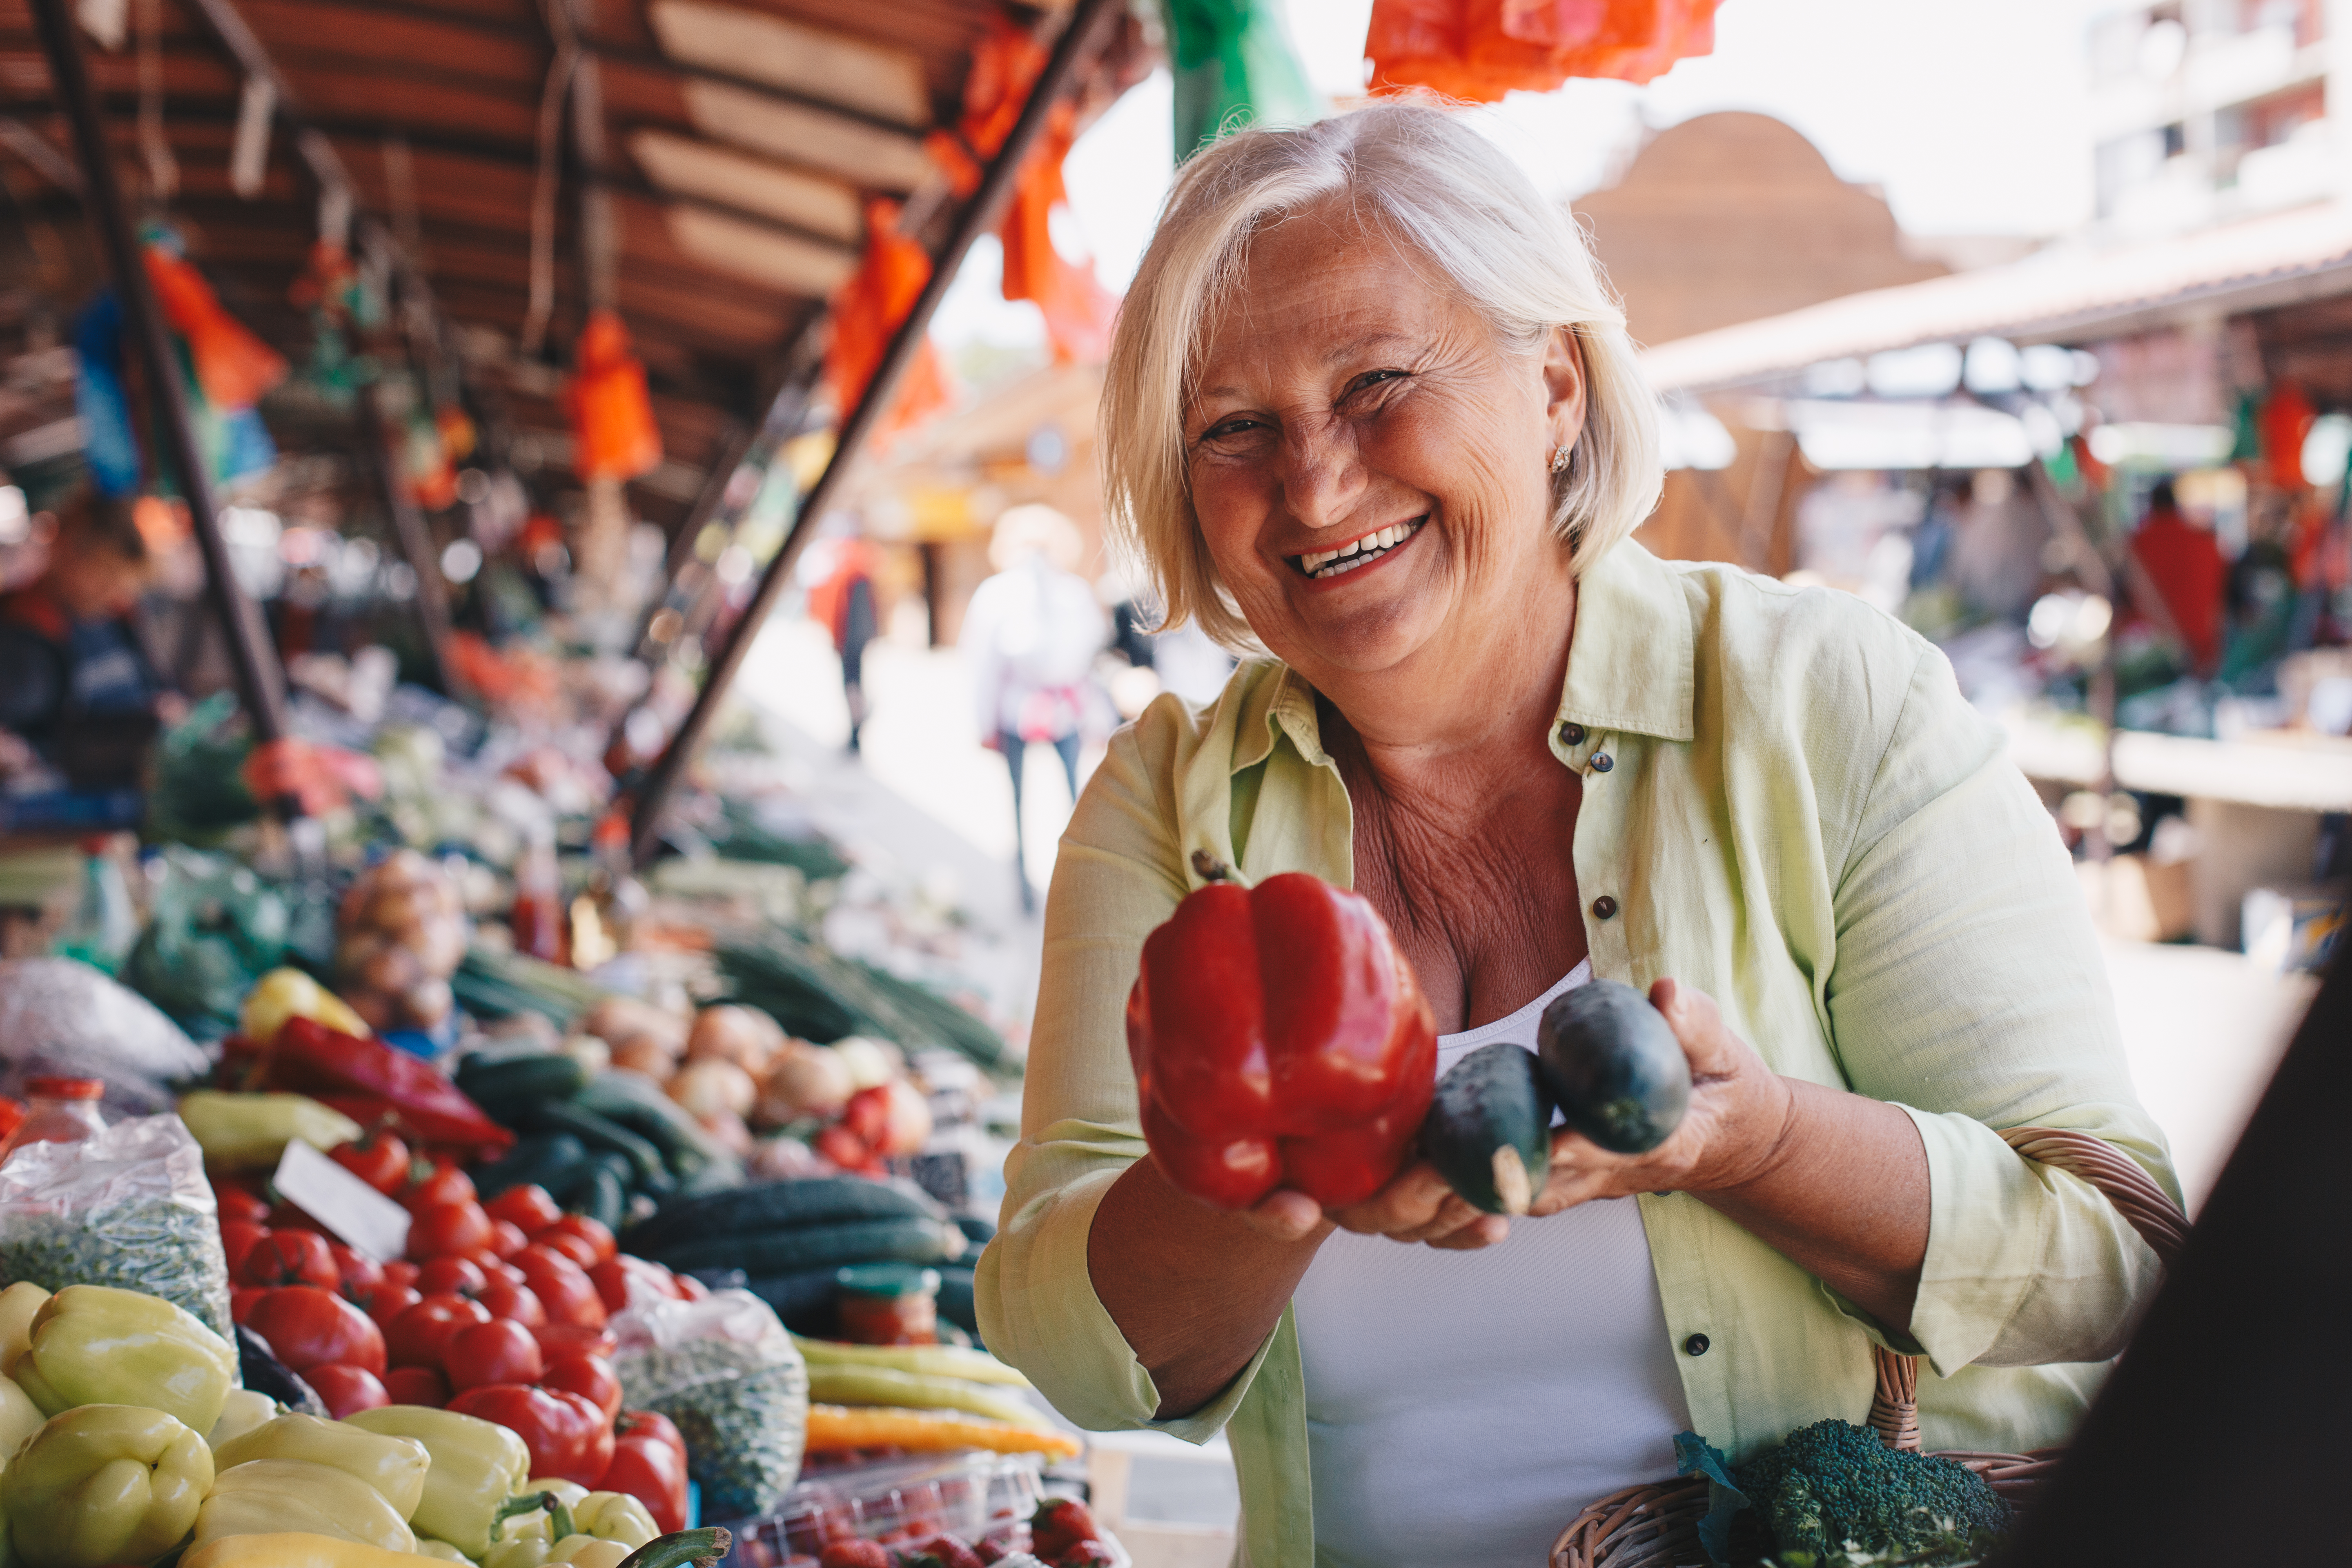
(1969, 989)
(1118, 876)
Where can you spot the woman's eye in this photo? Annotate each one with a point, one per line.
(1224, 428)
(1373, 378)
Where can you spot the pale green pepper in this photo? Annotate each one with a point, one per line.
(614, 1516)
(529, 1516)
(428, 1547)
(19, 1417)
(17, 1305)
(394, 1467)
(93, 1344)
(241, 1412)
(250, 1131)
(267, 1497)
(476, 1466)
(608, 1516)
(105, 1484)
(563, 1541)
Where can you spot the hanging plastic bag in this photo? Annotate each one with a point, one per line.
(60, 1018)
(214, 929)
(726, 1371)
(867, 311)
(233, 366)
(128, 1208)
(109, 440)
(612, 414)
(1481, 50)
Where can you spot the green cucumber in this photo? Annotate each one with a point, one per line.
(634, 1102)
(1488, 1130)
(796, 1296)
(778, 1205)
(955, 1299)
(1615, 1066)
(604, 1199)
(546, 1159)
(651, 1175)
(509, 1088)
(762, 1253)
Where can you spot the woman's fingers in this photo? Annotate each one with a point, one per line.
(1284, 1215)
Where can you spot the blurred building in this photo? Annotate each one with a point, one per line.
(2206, 111)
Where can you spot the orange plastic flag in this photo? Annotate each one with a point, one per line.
(1481, 50)
(1078, 310)
(867, 311)
(233, 366)
(612, 429)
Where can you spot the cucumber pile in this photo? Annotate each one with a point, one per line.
(788, 1238)
(596, 1141)
(821, 996)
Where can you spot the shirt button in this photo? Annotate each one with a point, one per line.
(1571, 735)
(1696, 1345)
(1605, 907)
(1602, 762)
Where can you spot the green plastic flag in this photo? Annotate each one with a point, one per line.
(1234, 67)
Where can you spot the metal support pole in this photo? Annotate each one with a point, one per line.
(1076, 43)
(415, 537)
(256, 661)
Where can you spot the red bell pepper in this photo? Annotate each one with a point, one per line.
(1279, 1039)
(569, 1438)
(649, 1464)
(308, 1057)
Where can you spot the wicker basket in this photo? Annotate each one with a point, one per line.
(1656, 1526)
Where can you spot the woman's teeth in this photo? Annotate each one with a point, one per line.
(1321, 564)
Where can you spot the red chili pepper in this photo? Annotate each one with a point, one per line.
(649, 1464)
(308, 1057)
(1279, 1039)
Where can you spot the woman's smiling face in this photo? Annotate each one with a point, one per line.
(1368, 466)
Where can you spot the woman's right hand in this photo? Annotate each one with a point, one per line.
(1416, 1205)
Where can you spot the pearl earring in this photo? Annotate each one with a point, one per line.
(1561, 456)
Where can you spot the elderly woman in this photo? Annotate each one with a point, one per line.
(1372, 411)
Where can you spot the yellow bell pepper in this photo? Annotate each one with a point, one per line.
(241, 1412)
(298, 1549)
(284, 994)
(476, 1466)
(19, 1417)
(93, 1344)
(394, 1467)
(265, 1497)
(250, 1131)
(428, 1547)
(104, 1484)
(614, 1516)
(18, 1303)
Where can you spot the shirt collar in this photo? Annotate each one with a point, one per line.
(1628, 666)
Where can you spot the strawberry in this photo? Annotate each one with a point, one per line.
(1058, 1525)
(952, 1553)
(1086, 1554)
(854, 1555)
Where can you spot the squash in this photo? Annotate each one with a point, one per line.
(1614, 1065)
(1488, 1130)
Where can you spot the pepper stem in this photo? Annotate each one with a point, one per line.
(702, 1548)
(558, 1517)
(1208, 868)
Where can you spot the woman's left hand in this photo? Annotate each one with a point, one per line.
(1739, 1113)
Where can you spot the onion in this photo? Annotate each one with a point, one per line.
(645, 1054)
(729, 1129)
(709, 1088)
(590, 1052)
(618, 1018)
(743, 1035)
(807, 1080)
(871, 1063)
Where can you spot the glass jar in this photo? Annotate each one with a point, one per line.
(64, 1111)
(889, 1304)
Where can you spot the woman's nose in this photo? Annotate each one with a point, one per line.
(1323, 472)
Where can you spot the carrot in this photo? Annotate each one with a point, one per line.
(927, 1431)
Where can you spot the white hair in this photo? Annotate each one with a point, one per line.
(1432, 184)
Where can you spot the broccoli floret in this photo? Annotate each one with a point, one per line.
(1832, 1483)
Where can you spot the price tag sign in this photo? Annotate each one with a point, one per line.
(365, 1219)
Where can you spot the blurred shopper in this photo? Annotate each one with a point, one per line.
(1029, 640)
(76, 691)
(2187, 568)
(843, 602)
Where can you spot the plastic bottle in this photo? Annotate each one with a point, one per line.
(537, 917)
(64, 1111)
(105, 925)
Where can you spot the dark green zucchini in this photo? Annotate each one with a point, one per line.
(955, 1299)
(762, 1253)
(797, 1296)
(604, 1198)
(778, 1205)
(636, 1103)
(546, 1159)
(1488, 1130)
(978, 1229)
(1615, 1067)
(650, 1173)
(506, 1087)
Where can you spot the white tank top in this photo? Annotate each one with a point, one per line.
(1462, 1406)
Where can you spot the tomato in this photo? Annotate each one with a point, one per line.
(290, 1258)
(345, 1389)
(308, 1327)
(286, 1216)
(614, 1277)
(567, 1293)
(527, 1209)
(594, 1232)
(495, 1352)
(569, 1437)
(416, 1385)
(241, 1208)
(380, 1160)
(456, 1227)
(507, 1237)
(444, 1184)
(649, 1465)
(242, 1299)
(400, 1271)
(589, 1376)
(362, 1274)
(500, 1269)
(571, 1339)
(420, 1335)
(514, 1303)
(576, 1247)
(387, 1301)
(454, 1276)
(237, 1238)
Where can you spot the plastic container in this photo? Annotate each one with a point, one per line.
(889, 1304)
(63, 1110)
(971, 1495)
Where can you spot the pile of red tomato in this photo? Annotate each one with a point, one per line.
(498, 1311)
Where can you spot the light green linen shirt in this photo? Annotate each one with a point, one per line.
(1793, 809)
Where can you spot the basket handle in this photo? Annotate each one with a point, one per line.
(1895, 1403)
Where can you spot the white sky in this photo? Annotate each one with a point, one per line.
(1968, 113)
